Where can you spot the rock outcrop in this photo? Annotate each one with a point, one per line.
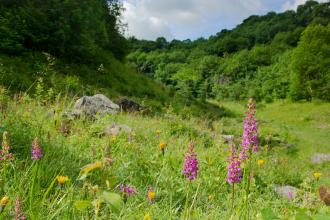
(93, 105)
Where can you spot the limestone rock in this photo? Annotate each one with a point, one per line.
(116, 129)
(320, 158)
(97, 104)
(287, 191)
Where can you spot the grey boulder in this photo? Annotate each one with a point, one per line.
(287, 191)
(320, 158)
(116, 129)
(93, 105)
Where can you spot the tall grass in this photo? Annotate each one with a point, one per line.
(96, 165)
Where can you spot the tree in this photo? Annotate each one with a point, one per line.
(310, 64)
(75, 30)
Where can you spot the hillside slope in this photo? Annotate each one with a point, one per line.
(269, 57)
(34, 71)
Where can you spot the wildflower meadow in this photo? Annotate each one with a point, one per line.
(164, 110)
(166, 167)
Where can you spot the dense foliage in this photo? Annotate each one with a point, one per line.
(275, 56)
(75, 30)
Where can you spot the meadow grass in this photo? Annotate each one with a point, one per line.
(289, 134)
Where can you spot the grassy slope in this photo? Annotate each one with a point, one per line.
(114, 79)
(138, 160)
(303, 129)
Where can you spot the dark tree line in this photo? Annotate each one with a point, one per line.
(76, 30)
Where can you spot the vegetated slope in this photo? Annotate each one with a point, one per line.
(77, 48)
(275, 56)
(29, 72)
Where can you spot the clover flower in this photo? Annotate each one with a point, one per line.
(191, 164)
(127, 190)
(36, 150)
(5, 154)
(250, 135)
(234, 168)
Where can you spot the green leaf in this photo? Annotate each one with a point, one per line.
(114, 200)
(268, 214)
(81, 204)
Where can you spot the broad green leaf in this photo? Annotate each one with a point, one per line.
(114, 200)
(81, 204)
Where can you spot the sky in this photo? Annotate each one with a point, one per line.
(191, 19)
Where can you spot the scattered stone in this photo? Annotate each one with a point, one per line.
(320, 158)
(128, 105)
(288, 192)
(97, 104)
(228, 138)
(116, 129)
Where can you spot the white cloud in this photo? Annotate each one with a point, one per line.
(182, 19)
(144, 25)
(293, 4)
(149, 19)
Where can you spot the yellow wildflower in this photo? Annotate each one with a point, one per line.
(147, 216)
(62, 179)
(151, 195)
(162, 145)
(317, 175)
(114, 138)
(261, 162)
(158, 131)
(4, 201)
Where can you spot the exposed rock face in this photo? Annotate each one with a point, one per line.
(320, 158)
(288, 192)
(116, 129)
(128, 105)
(97, 104)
